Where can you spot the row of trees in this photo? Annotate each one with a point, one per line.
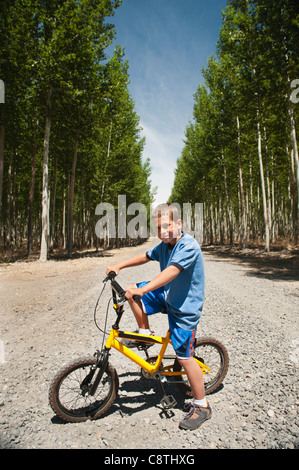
(240, 156)
(69, 134)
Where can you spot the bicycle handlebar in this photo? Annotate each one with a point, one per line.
(121, 292)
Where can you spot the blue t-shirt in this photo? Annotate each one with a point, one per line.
(184, 295)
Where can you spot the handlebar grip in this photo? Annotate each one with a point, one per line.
(111, 275)
(117, 288)
(136, 297)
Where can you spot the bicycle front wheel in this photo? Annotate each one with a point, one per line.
(69, 394)
(213, 354)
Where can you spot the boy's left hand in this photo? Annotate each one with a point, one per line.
(130, 291)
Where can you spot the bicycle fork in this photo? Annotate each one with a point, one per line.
(103, 361)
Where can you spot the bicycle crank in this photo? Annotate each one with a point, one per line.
(168, 401)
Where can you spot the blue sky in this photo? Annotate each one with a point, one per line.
(167, 42)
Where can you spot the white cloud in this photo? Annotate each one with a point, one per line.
(163, 149)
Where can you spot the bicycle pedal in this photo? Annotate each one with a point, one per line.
(144, 347)
(168, 401)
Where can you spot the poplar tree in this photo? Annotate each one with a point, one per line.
(242, 146)
(72, 134)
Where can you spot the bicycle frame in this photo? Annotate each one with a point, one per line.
(112, 342)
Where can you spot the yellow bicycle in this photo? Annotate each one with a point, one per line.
(86, 388)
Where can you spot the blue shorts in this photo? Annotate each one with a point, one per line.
(182, 340)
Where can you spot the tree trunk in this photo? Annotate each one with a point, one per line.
(63, 217)
(53, 207)
(295, 201)
(268, 192)
(228, 208)
(2, 131)
(31, 191)
(259, 137)
(45, 195)
(296, 159)
(106, 179)
(9, 219)
(242, 187)
(72, 190)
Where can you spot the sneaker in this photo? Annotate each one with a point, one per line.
(196, 416)
(136, 344)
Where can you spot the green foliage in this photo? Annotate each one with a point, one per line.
(60, 46)
(246, 97)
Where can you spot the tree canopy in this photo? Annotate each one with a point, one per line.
(69, 133)
(240, 156)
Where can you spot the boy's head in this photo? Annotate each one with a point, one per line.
(167, 222)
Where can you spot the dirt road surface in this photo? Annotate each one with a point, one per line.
(46, 320)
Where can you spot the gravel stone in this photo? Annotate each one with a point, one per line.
(46, 320)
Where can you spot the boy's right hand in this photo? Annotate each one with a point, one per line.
(112, 268)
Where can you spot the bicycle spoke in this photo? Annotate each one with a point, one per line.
(69, 393)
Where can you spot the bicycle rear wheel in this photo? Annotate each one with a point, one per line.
(69, 393)
(212, 353)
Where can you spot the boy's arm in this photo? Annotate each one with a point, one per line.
(163, 278)
(135, 261)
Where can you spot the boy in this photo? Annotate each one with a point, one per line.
(180, 288)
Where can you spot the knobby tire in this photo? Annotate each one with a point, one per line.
(212, 353)
(69, 391)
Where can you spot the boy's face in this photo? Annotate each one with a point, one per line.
(168, 230)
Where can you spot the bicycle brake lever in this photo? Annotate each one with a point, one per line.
(123, 297)
(134, 297)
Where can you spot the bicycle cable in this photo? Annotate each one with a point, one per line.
(95, 310)
(106, 316)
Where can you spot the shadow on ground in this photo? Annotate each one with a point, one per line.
(279, 264)
(57, 255)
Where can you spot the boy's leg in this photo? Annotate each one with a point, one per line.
(200, 410)
(151, 303)
(139, 313)
(195, 377)
(183, 343)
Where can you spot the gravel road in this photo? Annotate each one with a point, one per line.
(46, 320)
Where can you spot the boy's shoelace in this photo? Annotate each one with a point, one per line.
(190, 408)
